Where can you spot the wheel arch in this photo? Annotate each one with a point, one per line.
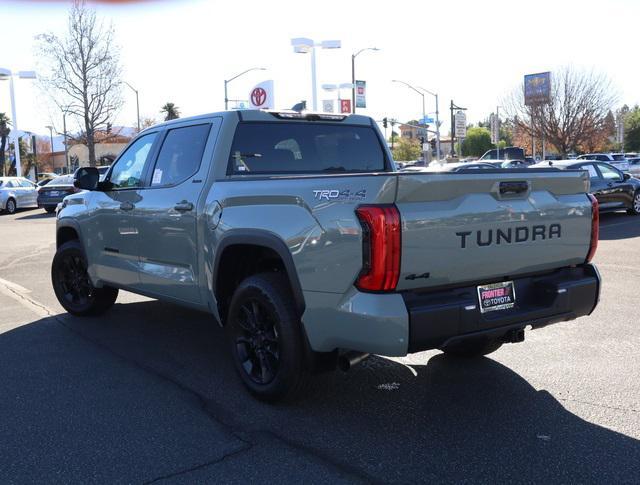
(67, 231)
(268, 244)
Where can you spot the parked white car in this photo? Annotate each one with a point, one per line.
(618, 160)
(17, 193)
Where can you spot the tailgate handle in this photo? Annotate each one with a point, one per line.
(513, 188)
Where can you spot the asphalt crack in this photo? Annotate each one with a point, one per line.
(598, 405)
(236, 430)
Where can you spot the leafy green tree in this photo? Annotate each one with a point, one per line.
(477, 142)
(170, 111)
(632, 130)
(407, 149)
(5, 122)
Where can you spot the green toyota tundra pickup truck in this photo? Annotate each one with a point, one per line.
(296, 232)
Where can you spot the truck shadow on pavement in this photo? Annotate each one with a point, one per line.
(148, 391)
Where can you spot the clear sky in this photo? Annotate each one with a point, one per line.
(472, 51)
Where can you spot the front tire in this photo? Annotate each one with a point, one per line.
(635, 205)
(10, 207)
(72, 285)
(265, 338)
(50, 209)
(473, 347)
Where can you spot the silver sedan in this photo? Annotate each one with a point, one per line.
(17, 193)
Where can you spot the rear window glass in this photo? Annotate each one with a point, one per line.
(618, 157)
(268, 148)
(64, 180)
(180, 155)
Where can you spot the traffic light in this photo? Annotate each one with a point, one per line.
(384, 122)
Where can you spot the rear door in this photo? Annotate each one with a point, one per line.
(614, 190)
(30, 194)
(478, 227)
(168, 209)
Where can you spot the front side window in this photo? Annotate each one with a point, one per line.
(306, 147)
(180, 155)
(609, 173)
(26, 183)
(127, 172)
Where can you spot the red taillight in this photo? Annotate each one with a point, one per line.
(595, 227)
(380, 247)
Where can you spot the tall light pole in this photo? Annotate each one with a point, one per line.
(437, 121)
(227, 81)
(137, 103)
(6, 74)
(302, 45)
(353, 75)
(424, 114)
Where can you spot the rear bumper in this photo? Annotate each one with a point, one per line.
(439, 318)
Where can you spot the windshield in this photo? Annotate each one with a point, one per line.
(305, 148)
(618, 157)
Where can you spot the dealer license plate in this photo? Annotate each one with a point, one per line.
(498, 296)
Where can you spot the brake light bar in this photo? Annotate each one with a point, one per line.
(595, 227)
(308, 116)
(381, 247)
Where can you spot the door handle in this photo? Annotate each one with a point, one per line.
(126, 206)
(183, 206)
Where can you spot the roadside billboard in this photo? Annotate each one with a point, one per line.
(537, 88)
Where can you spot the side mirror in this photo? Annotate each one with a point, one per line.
(626, 176)
(86, 178)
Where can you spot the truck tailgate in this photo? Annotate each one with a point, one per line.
(479, 227)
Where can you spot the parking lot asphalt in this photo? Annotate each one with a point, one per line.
(147, 393)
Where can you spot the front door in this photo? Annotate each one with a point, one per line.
(112, 232)
(168, 211)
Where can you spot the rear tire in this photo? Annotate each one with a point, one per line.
(265, 338)
(72, 285)
(10, 207)
(473, 347)
(635, 205)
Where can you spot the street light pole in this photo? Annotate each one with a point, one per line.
(16, 139)
(227, 81)
(302, 45)
(424, 114)
(353, 75)
(7, 74)
(435, 95)
(137, 103)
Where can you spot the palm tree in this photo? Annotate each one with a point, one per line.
(170, 111)
(4, 133)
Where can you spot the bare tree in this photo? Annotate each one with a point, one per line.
(577, 112)
(84, 71)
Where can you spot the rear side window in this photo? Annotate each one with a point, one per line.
(180, 155)
(270, 148)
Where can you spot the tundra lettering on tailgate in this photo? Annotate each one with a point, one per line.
(510, 235)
